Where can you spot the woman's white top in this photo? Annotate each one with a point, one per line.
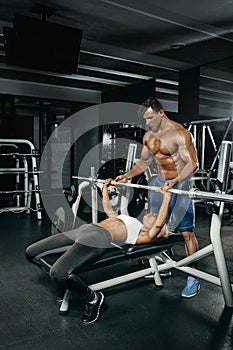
(133, 227)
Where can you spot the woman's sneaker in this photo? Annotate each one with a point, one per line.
(191, 289)
(92, 308)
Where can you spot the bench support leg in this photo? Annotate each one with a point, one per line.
(154, 268)
(64, 308)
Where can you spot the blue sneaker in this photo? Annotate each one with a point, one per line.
(191, 289)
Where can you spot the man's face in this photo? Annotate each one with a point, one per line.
(153, 118)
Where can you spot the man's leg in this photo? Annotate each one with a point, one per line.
(191, 246)
(191, 243)
(183, 220)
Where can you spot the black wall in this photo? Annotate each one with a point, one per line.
(136, 93)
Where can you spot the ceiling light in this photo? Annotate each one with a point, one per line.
(176, 46)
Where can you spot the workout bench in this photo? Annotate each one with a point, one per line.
(149, 251)
(128, 252)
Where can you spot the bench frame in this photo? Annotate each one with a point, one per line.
(215, 248)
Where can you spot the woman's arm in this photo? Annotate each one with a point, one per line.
(162, 216)
(155, 230)
(106, 201)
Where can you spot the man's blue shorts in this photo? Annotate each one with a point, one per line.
(181, 215)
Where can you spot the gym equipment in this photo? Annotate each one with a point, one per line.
(147, 254)
(203, 135)
(63, 220)
(193, 193)
(29, 162)
(138, 197)
(149, 250)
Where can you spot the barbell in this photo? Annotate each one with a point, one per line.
(192, 193)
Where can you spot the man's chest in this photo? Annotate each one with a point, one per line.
(162, 145)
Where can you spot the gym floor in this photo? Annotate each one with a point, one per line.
(135, 315)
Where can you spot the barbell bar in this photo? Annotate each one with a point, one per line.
(192, 193)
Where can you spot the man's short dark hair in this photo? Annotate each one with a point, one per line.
(152, 102)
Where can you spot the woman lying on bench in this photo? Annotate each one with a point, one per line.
(88, 242)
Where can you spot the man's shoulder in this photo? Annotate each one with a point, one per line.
(179, 127)
(175, 124)
(178, 132)
(148, 134)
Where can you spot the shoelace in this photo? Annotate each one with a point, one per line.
(191, 283)
(88, 308)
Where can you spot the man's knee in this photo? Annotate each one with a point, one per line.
(188, 235)
(191, 241)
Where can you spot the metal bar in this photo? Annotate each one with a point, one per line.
(217, 120)
(154, 268)
(17, 191)
(195, 135)
(193, 193)
(202, 253)
(131, 156)
(200, 274)
(29, 196)
(18, 154)
(16, 170)
(224, 164)
(17, 183)
(198, 178)
(21, 172)
(121, 279)
(219, 149)
(211, 137)
(26, 180)
(203, 147)
(65, 302)
(94, 200)
(215, 230)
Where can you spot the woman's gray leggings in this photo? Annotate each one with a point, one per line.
(75, 257)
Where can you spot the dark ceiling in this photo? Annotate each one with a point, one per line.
(125, 42)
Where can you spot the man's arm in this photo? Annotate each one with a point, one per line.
(187, 152)
(106, 201)
(141, 166)
(153, 233)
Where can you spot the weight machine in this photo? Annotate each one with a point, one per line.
(202, 131)
(25, 165)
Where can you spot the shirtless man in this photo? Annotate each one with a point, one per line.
(171, 146)
(87, 243)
